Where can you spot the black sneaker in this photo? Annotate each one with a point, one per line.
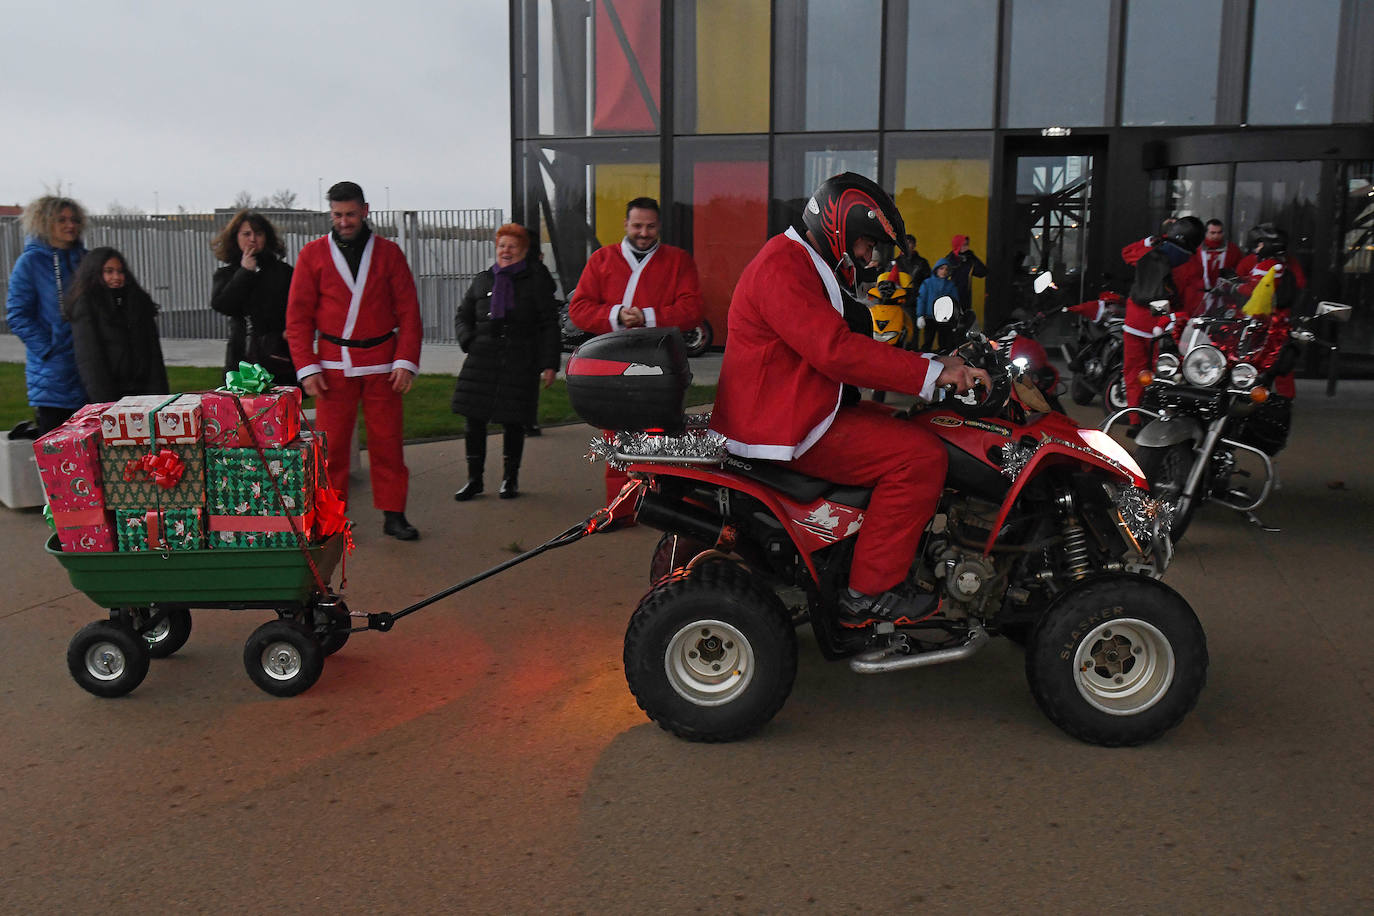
(396, 526)
(899, 606)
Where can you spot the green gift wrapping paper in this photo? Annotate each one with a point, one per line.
(118, 464)
(237, 482)
(181, 528)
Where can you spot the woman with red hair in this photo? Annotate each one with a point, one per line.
(508, 326)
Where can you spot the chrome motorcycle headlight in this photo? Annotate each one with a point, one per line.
(1166, 366)
(1204, 366)
(1244, 375)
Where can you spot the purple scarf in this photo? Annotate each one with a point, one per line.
(503, 288)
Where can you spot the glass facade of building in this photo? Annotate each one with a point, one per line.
(1052, 133)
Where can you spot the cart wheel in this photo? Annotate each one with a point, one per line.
(283, 658)
(169, 634)
(107, 658)
(332, 624)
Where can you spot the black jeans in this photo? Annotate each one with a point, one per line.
(512, 441)
(49, 418)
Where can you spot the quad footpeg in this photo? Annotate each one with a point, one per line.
(895, 655)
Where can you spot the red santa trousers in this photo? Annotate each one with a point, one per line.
(905, 463)
(337, 412)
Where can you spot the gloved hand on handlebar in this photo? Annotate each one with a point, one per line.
(958, 376)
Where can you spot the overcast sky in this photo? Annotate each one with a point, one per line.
(195, 102)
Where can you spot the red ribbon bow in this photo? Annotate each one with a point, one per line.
(329, 511)
(164, 469)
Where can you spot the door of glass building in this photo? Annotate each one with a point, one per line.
(1051, 194)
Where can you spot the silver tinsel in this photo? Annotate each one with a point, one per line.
(697, 445)
(1014, 459)
(1143, 514)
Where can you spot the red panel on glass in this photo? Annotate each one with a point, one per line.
(620, 103)
(729, 226)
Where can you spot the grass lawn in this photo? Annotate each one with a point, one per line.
(427, 414)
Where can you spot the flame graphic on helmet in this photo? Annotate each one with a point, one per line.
(835, 210)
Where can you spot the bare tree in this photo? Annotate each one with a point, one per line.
(284, 199)
(242, 200)
(58, 188)
(117, 209)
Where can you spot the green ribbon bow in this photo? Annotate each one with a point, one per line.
(249, 379)
(47, 517)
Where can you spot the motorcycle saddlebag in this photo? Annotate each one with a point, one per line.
(633, 381)
(1267, 427)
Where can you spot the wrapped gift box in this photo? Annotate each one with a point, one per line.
(244, 508)
(170, 529)
(274, 418)
(69, 465)
(130, 483)
(87, 531)
(176, 420)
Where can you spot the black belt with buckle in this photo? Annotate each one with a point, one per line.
(359, 344)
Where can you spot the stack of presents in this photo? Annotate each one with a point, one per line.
(229, 469)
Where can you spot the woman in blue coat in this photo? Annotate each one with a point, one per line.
(41, 278)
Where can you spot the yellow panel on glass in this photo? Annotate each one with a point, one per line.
(616, 185)
(732, 66)
(942, 198)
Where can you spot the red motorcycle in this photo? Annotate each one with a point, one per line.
(1046, 534)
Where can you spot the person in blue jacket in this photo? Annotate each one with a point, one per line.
(41, 278)
(936, 285)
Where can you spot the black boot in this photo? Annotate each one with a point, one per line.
(474, 484)
(513, 445)
(398, 527)
(510, 484)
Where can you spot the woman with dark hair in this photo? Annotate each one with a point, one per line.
(251, 289)
(508, 327)
(114, 331)
(39, 283)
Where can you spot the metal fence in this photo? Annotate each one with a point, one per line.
(171, 257)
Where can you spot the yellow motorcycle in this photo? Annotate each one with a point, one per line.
(892, 323)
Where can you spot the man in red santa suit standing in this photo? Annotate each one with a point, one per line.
(641, 282)
(785, 389)
(355, 291)
(1215, 255)
(1165, 271)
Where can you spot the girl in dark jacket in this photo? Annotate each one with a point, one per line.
(251, 289)
(508, 326)
(114, 330)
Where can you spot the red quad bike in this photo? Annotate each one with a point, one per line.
(1046, 534)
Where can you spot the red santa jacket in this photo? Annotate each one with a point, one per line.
(790, 354)
(1187, 280)
(664, 284)
(326, 298)
(1210, 263)
(1251, 270)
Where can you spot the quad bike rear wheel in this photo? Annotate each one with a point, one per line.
(710, 655)
(1118, 660)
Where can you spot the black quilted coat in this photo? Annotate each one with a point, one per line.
(499, 381)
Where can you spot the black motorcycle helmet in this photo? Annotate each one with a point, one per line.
(848, 207)
(1270, 240)
(1187, 232)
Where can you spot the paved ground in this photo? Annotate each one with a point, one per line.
(486, 756)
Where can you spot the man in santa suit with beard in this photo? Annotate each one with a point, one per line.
(1215, 255)
(355, 291)
(640, 282)
(798, 345)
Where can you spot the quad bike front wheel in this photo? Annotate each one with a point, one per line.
(1118, 660)
(710, 655)
(1166, 468)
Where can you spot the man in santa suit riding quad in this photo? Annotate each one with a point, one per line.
(798, 342)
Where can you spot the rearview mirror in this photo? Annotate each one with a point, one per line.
(943, 309)
(1335, 311)
(1043, 282)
